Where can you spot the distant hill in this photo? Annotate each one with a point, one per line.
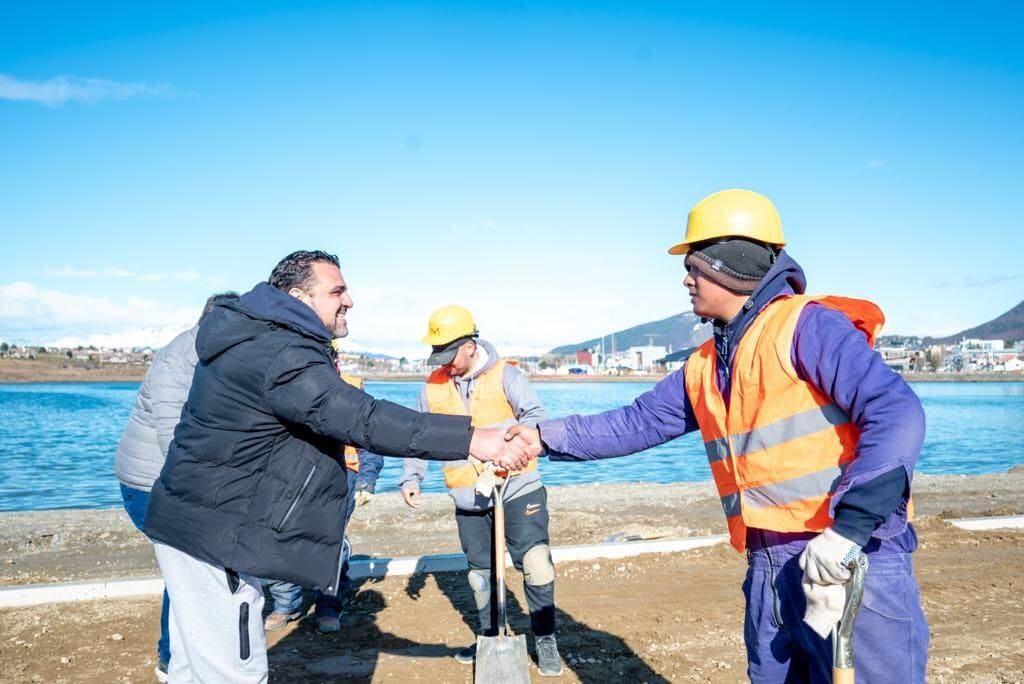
(1009, 326)
(680, 331)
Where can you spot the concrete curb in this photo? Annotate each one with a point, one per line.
(996, 522)
(37, 594)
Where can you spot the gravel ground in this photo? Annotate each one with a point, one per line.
(56, 546)
(653, 618)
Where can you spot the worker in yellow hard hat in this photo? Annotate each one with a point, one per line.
(447, 330)
(472, 379)
(811, 440)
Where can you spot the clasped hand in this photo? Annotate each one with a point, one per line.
(511, 449)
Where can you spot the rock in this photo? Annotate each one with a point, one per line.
(64, 660)
(117, 637)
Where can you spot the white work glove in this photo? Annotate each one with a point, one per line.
(363, 497)
(487, 481)
(825, 603)
(826, 558)
(411, 494)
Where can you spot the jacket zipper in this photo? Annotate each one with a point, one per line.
(771, 580)
(243, 631)
(295, 501)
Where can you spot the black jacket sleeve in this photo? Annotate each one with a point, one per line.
(866, 506)
(302, 388)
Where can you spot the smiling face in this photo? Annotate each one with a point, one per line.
(328, 296)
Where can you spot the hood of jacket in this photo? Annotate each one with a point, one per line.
(261, 309)
(785, 277)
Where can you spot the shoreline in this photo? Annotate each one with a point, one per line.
(9, 376)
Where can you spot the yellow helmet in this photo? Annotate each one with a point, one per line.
(449, 323)
(732, 213)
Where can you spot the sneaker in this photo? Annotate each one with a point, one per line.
(277, 621)
(548, 661)
(327, 625)
(466, 656)
(160, 671)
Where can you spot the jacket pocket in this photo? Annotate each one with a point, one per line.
(295, 500)
(243, 631)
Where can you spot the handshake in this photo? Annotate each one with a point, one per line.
(511, 449)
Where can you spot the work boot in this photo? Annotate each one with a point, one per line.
(548, 661)
(277, 621)
(466, 656)
(328, 624)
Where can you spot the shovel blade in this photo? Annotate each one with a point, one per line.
(502, 660)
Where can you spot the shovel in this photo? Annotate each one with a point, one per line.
(842, 634)
(502, 658)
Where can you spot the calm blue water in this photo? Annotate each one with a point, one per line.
(57, 440)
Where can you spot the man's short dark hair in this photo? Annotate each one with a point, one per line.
(214, 300)
(296, 269)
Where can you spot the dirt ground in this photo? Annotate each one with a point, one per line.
(654, 618)
(59, 546)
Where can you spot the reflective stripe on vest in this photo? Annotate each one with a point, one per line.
(488, 407)
(351, 453)
(780, 448)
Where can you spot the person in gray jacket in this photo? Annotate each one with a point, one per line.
(474, 380)
(144, 443)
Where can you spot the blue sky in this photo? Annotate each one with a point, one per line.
(532, 161)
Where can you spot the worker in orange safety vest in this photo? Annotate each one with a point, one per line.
(811, 439)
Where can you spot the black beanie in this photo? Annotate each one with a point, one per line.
(736, 264)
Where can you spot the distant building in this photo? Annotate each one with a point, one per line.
(643, 359)
(978, 355)
(1014, 365)
(675, 361)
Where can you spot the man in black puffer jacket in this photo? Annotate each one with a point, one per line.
(253, 486)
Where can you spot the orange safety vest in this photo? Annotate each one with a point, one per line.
(489, 407)
(351, 453)
(779, 448)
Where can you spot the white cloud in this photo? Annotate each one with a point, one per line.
(58, 90)
(33, 315)
(976, 282)
(72, 272)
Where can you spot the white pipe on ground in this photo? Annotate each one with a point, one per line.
(37, 594)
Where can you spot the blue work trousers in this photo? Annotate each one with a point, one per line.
(890, 635)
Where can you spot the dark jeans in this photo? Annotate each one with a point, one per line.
(135, 502)
(526, 526)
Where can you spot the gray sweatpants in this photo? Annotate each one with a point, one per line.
(216, 621)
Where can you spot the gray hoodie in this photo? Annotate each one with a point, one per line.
(528, 411)
(147, 437)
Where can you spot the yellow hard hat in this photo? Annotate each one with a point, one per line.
(732, 213)
(449, 323)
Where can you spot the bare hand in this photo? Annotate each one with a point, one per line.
(529, 436)
(411, 496)
(492, 445)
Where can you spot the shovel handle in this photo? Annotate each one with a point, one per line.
(842, 675)
(499, 556)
